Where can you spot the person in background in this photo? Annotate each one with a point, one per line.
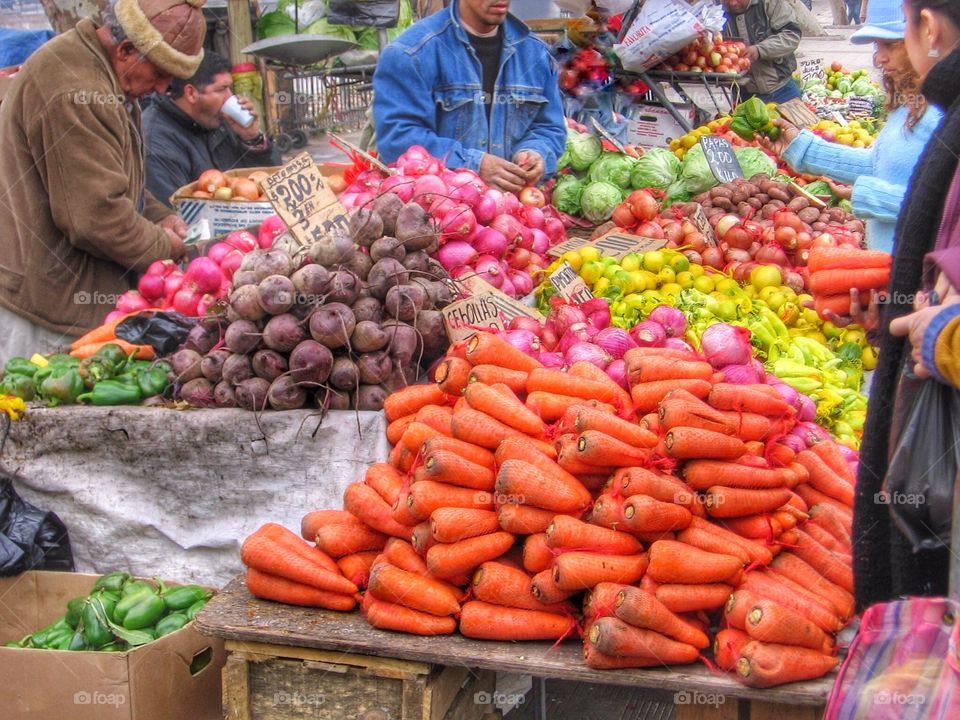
(885, 565)
(876, 176)
(771, 32)
(186, 131)
(75, 220)
(473, 86)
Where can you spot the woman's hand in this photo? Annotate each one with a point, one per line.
(788, 133)
(914, 326)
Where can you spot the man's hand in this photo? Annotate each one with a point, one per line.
(245, 133)
(914, 327)
(844, 192)
(502, 174)
(867, 317)
(752, 53)
(788, 131)
(176, 230)
(532, 164)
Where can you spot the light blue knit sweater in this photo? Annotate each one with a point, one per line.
(879, 174)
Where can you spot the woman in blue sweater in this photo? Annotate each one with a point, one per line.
(878, 174)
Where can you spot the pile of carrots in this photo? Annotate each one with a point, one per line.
(834, 271)
(513, 489)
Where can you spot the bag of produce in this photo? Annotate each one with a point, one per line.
(30, 538)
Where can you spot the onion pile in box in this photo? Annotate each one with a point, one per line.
(456, 218)
(329, 324)
(207, 279)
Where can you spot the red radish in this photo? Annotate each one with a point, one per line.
(185, 301)
(161, 268)
(205, 273)
(242, 240)
(426, 189)
(132, 301)
(218, 251)
(172, 283)
(414, 161)
(204, 304)
(230, 263)
(151, 286)
(269, 229)
(491, 241)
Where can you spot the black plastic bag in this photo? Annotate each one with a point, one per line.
(365, 13)
(30, 538)
(163, 331)
(924, 460)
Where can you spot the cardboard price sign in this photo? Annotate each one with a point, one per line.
(464, 317)
(509, 308)
(811, 69)
(721, 159)
(798, 113)
(574, 243)
(699, 218)
(569, 285)
(860, 106)
(618, 245)
(303, 201)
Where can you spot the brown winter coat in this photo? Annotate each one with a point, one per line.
(71, 188)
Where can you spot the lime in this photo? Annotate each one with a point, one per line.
(653, 261)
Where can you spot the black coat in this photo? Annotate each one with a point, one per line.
(884, 564)
(178, 149)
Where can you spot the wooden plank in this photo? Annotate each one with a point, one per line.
(236, 689)
(234, 615)
(444, 686)
(241, 31)
(768, 711)
(716, 711)
(385, 666)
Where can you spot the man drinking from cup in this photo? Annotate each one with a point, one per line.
(201, 125)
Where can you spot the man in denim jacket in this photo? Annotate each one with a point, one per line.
(472, 85)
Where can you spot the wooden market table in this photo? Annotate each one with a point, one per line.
(260, 633)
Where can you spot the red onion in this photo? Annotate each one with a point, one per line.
(524, 341)
(498, 200)
(541, 242)
(648, 333)
(565, 316)
(849, 454)
(581, 332)
(806, 408)
(522, 322)
(587, 352)
(526, 238)
(793, 442)
(521, 281)
(132, 301)
(458, 222)
(555, 230)
(506, 284)
(511, 203)
(673, 321)
(491, 241)
(242, 240)
(426, 189)
(533, 216)
(485, 208)
(597, 311)
(161, 267)
(617, 370)
(677, 344)
(615, 341)
(218, 251)
(551, 359)
(456, 253)
(724, 344)
(815, 431)
(742, 375)
(511, 228)
(789, 394)
(488, 268)
(467, 193)
(151, 286)
(205, 273)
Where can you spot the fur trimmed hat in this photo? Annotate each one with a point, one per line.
(168, 32)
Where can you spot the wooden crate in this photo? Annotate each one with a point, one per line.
(278, 682)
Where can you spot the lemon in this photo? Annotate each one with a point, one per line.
(679, 262)
(818, 336)
(574, 258)
(704, 283)
(666, 275)
(601, 287)
(869, 358)
(764, 276)
(696, 270)
(688, 141)
(630, 262)
(634, 300)
(685, 279)
(858, 144)
(639, 281)
(727, 286)
(589, 252)
(653, 261)
(591, 271)
(606, 260)
(610, 271)
(622, 279)
(671, 289)
(652, 279)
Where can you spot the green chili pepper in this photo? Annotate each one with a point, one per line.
(112, 581)
(38, 639)
(144, 613)
(95, 630)
(180, 598)
(62, 389)
(78, 641)
(152, 381)
(171, 623)
(21, 386)
(136, 586)
(74, 608)
(112, 392)
(19, 366)
(195, 608)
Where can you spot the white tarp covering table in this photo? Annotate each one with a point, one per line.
(156, 491)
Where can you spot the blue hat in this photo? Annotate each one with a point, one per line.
(884, 21)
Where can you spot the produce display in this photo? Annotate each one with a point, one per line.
(837, 86)
(856, 133)
(682, 495)
(710, 53)
(120, 613)
(232, 185)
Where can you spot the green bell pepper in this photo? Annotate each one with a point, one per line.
(78, 641)
(755, 112)
(19, 366)
(742, 128)
(21, 386)
(56, 365)
(152, 381)
(144, 613)
(112, 392)
(130, 601)
(74, 610)
(195, 608)
(113, 581)
(63, 389)
(136, 586)
(114, 647)
(180, 598)
(171, 623)
(59, 638)
(95, 630)
(112, 356)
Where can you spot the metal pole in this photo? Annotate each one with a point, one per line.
(663, 100)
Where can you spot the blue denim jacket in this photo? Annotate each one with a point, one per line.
(428, 91)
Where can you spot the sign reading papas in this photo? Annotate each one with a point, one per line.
(721, 158)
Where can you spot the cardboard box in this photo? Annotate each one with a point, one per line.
(151, 682)
(654, 126)
(222, 215)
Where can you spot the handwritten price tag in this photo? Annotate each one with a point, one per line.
(303, 201)
(462, 318)
(811, 69)
(699, 218)
(721, 158)
(569, 285)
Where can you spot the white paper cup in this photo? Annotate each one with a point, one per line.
(235, 111)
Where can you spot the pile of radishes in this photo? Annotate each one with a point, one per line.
(193, 291)
(331, 324)
(480, 230)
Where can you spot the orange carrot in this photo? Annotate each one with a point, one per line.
(517, 447)
(700, 538)
(290, 541)
(654, 369)
(524, 519)
(637, 355)
(757, 552)
(613, 637)
(312, 521)
(452, 375)
(528, 485)
(557, 382)
(824, 479)
(393, 585)
(140, 352)
(835, 282)
(621, 398)
(267, 555)
(830, 453)
(448, 467)
(608, 512)
(488, 349)
(769, 622)
(651, 422)
(737, 606)
(665, 488)
(838, 304)
(595, 659)
(597, 448)
(402, 512)
(681, 414)
(386, 480)
(101, 334)
(581, 570)
(415, 435)
(647, 396)
(506, 408)
(499, 584)
(790, 566)
(846, 257)
(388, 616)
(763, 527)
(727, 646)
(786, 520)
(772, 587)
(427, 496)
(552, 406)
(516, 380)
(356, 567)
(825, 539)
(479, 428)
(601, 600)
(337, 540)
(569, 460)
(408, 400)
(813, 497)
(725, 502)
(567, 532)
(280, 589)
(364, 502)
(421, 538)
(830, 520)
(748, 425)
(687, 442)
(402, 554)
(779, 454)
(485, 621)
(822, 560)
(447, 560)
(750, 398)
(436, 416)
(644, 514)
(396, 428)
(585, 418)
(544, 587)
(537, 554)
(468, 451)
(768, 664)
(642, 609)
(452, 524)
(686, 598)
(395, 457)
(677, 562)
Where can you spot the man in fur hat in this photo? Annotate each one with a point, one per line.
(76, 224)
